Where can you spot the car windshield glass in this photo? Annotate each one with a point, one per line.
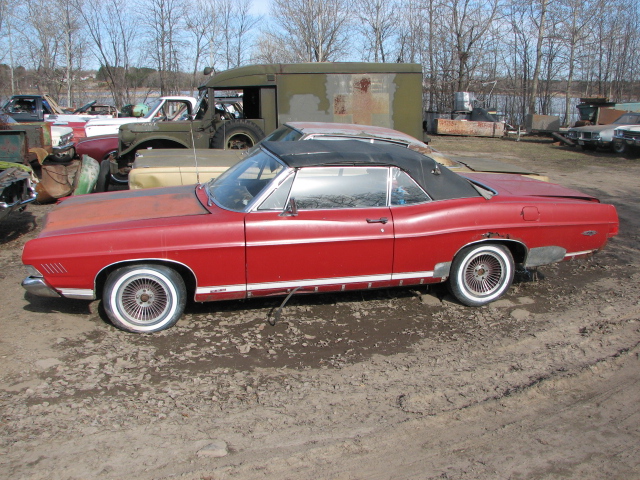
(284, 134)
(4, 118)
(627, 118)
(238, 186)
(386, 141)
(152, 106)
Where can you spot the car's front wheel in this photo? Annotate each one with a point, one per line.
(144, 298)
(481, 274)
(619, 147)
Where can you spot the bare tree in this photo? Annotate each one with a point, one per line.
(70, 27)
(44, 49)
(314, 30)
(200, 23)
(7, 6)
(378, 20)
(163, 22)
(574, 18)
(112, 35)
(539, 10)
(470, 21)
(234, 24)
(271, 48)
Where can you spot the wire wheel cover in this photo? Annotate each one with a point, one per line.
(484, 274)
(143, 299)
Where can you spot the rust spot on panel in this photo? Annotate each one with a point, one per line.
(339, 105)
(363, 85)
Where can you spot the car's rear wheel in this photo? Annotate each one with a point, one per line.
(481, 274)
(144, 298)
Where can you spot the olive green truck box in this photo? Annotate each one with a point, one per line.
(237, 107)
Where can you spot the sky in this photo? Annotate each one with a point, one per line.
(260, 7)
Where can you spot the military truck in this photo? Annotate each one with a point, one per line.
(237, 107)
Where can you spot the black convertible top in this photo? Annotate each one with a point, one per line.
(439, 182)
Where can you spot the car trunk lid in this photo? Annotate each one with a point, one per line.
(517, 185)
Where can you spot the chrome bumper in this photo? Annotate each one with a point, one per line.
(63, 148)
(37, 286)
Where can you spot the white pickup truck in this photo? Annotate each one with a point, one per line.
(163, 109)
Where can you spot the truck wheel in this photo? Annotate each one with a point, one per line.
(144, 298)
(104, 175)
(237, 134)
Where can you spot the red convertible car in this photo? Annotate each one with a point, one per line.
(305, 217)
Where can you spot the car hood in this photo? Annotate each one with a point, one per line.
(99, 211)
(519, 186)
(599, 128)
(115, 121)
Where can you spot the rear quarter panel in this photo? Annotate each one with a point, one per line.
(433, 233)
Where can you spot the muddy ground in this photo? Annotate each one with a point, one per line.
(403, 383)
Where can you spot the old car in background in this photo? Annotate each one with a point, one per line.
(305, 217)
(43, 108)
(172, 108)
(592, 137)
(99, 147)
(626, 139)
(181, 166)
(168, 167)
(44, 140)
(16, 187)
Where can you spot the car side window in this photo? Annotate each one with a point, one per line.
(404, 190)
(277, 200)
(340, 187)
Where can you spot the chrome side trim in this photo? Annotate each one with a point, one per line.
(584, 252)
(399, 276)
(220, 289)
(319, 281)
(368, 279)
(78, 293)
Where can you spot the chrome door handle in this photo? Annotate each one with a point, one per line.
(377, 220)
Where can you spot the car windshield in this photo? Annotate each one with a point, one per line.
(284, 134)
(238, 186)
(628, 118)
(4, 118)
(152, 107)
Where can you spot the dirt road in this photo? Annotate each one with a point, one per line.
(404, 383)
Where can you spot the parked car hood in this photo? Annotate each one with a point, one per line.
(97, 211)
(115, 121)
(517, 185)
(595, 128)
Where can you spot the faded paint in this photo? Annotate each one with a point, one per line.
(469, 128)
(365, 99)
(13, 146)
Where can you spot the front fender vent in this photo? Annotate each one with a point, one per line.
(53, 268)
